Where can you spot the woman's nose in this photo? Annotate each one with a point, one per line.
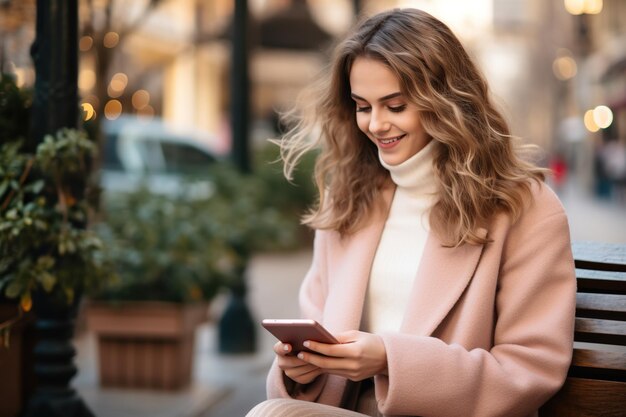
(378, 124)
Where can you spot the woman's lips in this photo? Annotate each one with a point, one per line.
(389, 142)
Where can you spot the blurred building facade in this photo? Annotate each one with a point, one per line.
(548, 62)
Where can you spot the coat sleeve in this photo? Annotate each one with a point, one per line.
(532, 339)
(312, 295)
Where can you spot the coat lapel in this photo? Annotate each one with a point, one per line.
(350, 296)
(443, 275)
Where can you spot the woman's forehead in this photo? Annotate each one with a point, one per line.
(372, 79)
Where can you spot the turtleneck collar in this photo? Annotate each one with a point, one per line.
(416, 173)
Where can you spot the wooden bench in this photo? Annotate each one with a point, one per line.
(596, 382)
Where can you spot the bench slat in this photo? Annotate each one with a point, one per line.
(599, 256)
(601, 281)
(600, 331)
(599, 266)
(581, 397)
(602, 306)
(601, 359)
(596, 382)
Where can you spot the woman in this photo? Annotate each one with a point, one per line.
(442, 263)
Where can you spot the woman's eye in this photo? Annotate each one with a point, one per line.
(362, 109)
(397, 109)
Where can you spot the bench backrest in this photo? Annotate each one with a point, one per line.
(596, 382)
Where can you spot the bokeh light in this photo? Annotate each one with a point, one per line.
(140, 99)
(113, 109)
(89, 112)
(117, 85)
(590, 124)
(577, 7)
(85, 43)
(564, 66)
(602, 116)
(86, 79)
(111, 39)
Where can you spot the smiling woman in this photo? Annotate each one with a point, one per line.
(384, 114)
(442, 262)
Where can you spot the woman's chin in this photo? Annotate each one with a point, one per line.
(392, 159)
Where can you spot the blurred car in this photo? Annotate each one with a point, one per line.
(153, 154)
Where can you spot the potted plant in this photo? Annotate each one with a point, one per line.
(48, 254)
(168, 265)
(45, 244)
(172, 254)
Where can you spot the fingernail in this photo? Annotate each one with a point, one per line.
(306, 343)
(285, 347)
(300, 355)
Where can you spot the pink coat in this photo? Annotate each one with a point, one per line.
(488, 329)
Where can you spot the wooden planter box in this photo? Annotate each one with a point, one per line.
(145, 344)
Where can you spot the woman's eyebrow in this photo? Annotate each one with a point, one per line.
(384, 98)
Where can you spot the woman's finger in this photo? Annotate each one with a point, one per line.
(304, 374)
(282, 349)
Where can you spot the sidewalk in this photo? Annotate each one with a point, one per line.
(593, 219)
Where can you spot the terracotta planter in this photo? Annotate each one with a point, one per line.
(145, 344)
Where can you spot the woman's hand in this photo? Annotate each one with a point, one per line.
(295, 368)
(359, 356)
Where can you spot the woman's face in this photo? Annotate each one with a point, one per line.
(383, 113)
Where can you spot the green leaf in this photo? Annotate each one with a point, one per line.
(11, 214)
(13, 290)
(47, 281)
(3, 187)
(45, 262)
(37, 186)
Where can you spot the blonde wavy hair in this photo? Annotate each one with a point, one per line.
(479, 167)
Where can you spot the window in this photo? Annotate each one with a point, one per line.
(184, 158)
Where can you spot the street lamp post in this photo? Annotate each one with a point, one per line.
(55, 105)
(240, 88)
(55, 55)
(236, 326)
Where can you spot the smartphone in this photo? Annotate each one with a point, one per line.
(296, 331)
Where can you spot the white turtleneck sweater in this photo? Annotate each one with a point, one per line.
(403, 239)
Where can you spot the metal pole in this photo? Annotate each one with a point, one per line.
(55, 105)
(236, 328)
(357, 6)
(240, 88)
(55, 55)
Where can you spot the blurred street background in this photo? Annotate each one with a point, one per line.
(180, 97)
